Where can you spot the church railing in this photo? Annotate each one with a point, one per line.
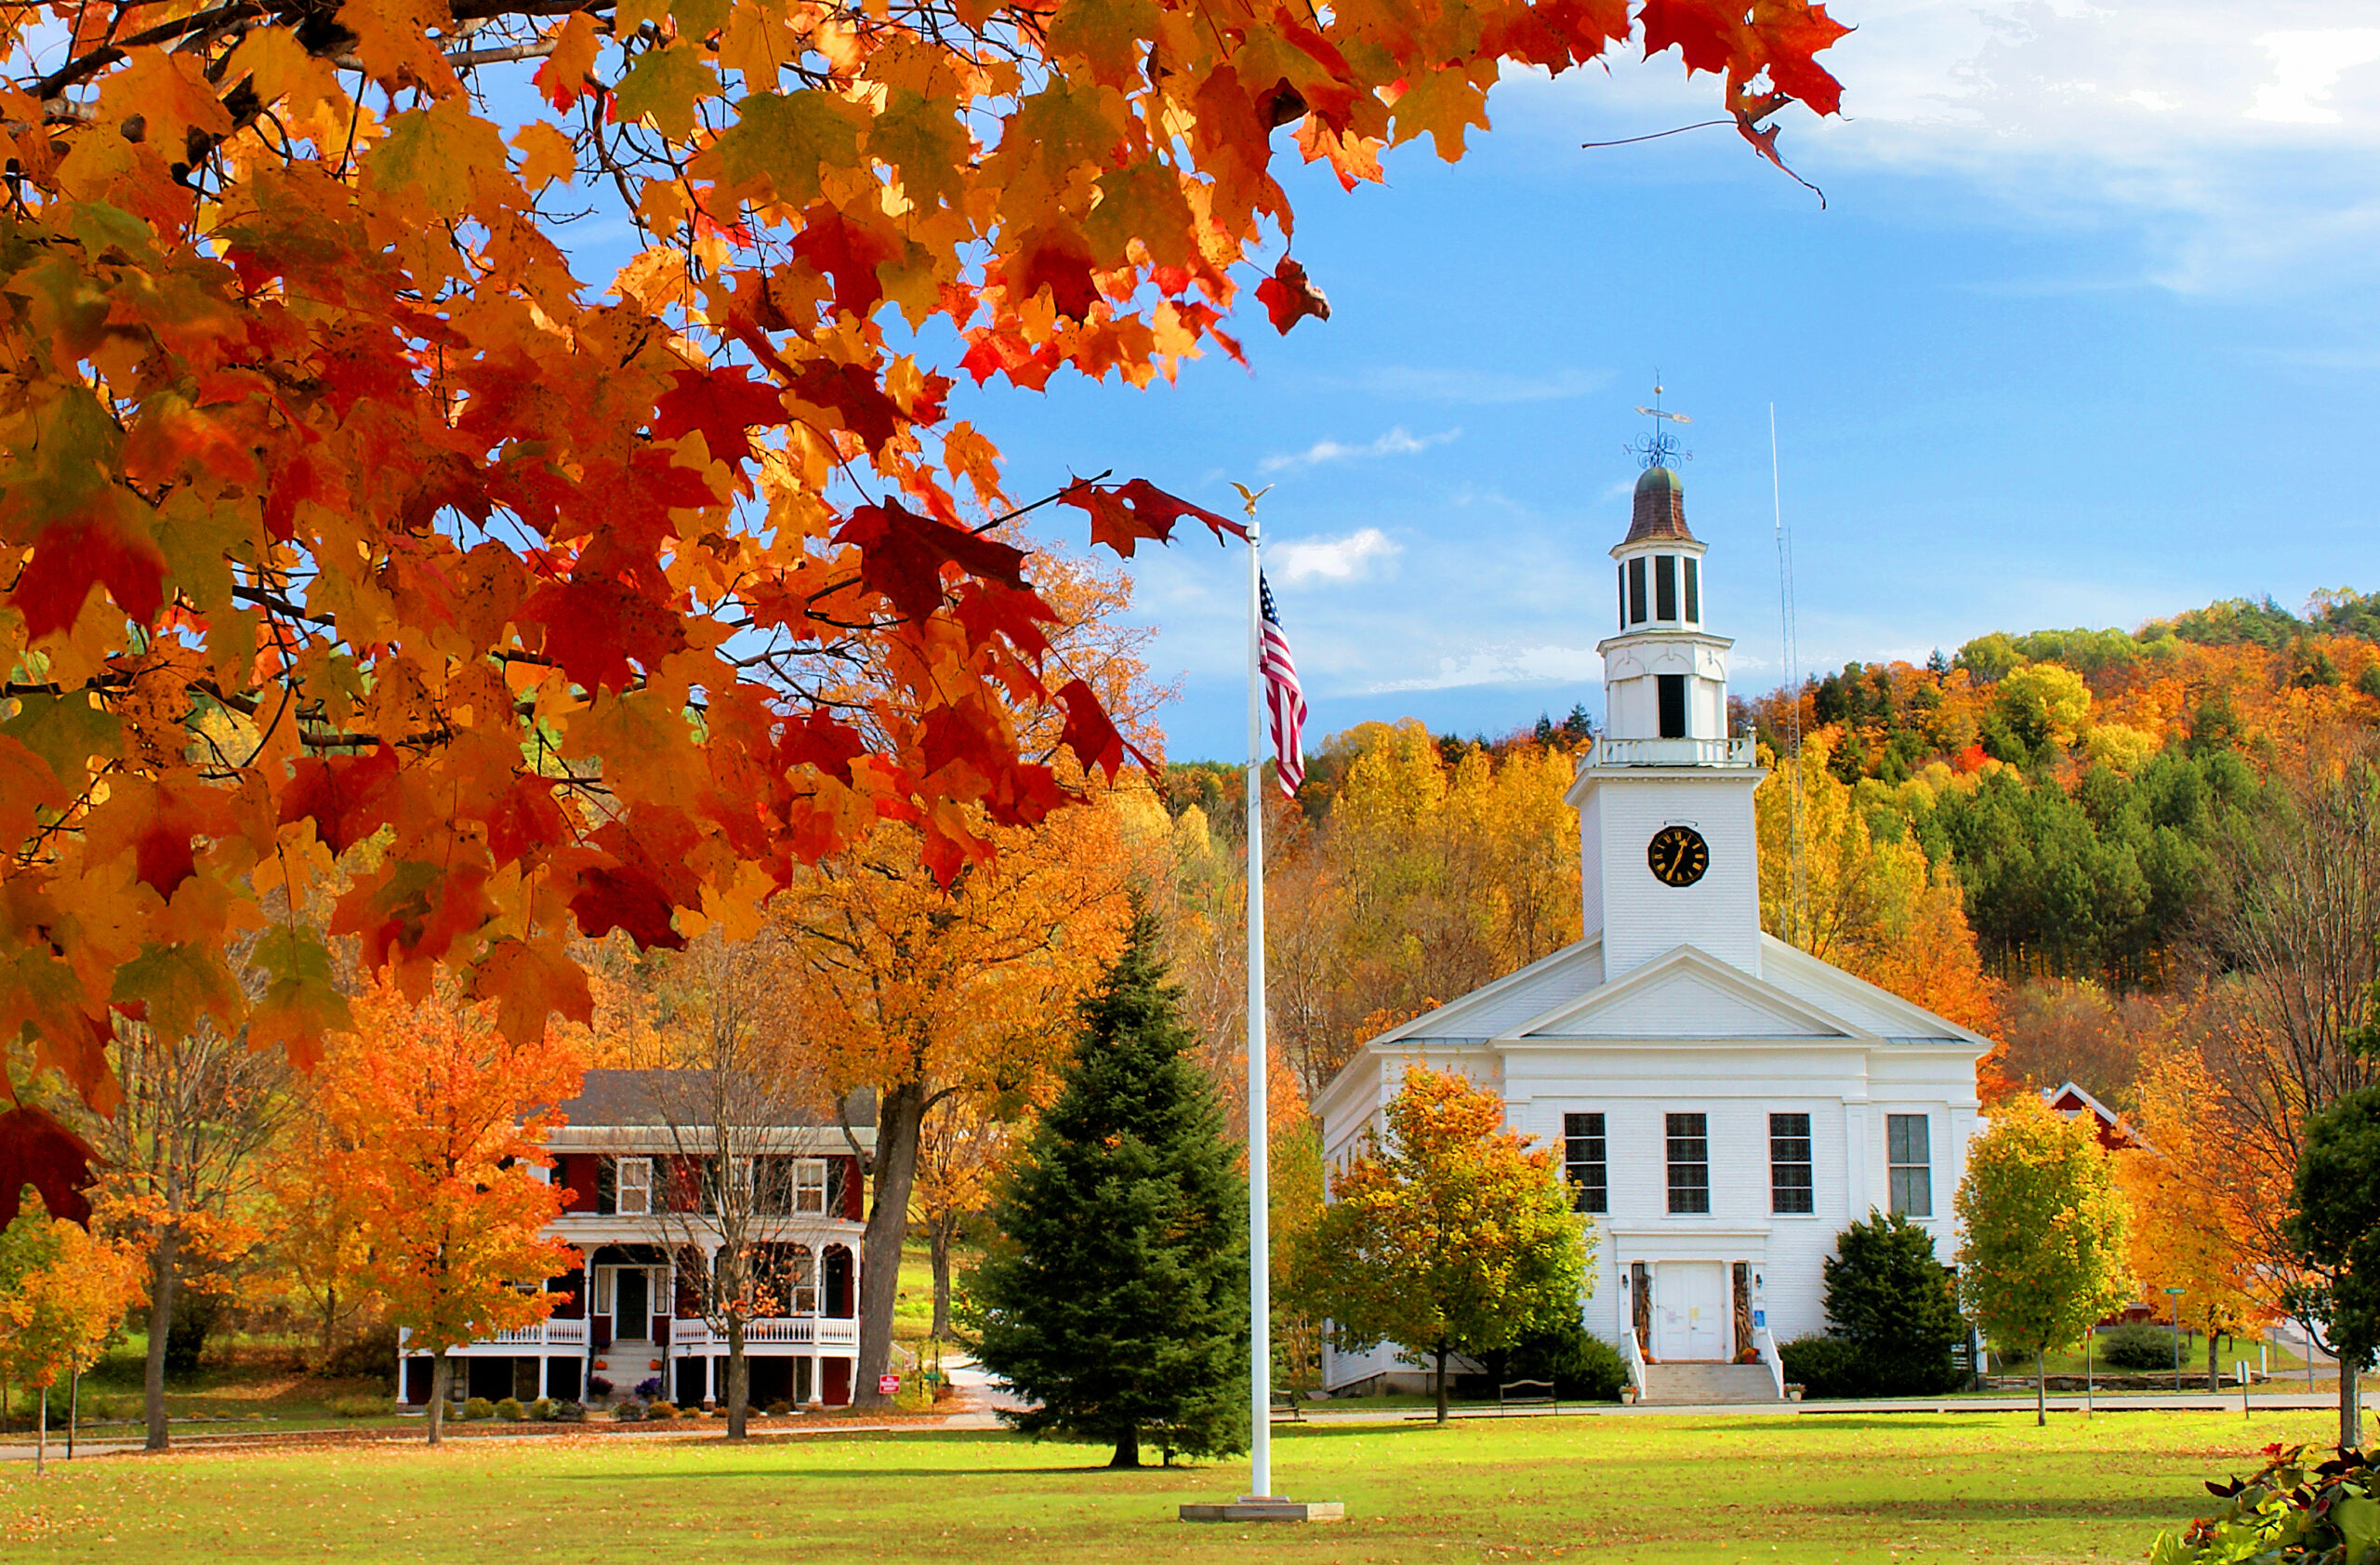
(1672, 752)
(1765, 1346)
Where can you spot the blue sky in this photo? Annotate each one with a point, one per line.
(2085, 334)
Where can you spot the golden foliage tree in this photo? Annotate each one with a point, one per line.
(441, 1120)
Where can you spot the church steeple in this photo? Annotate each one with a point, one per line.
(1668, 853)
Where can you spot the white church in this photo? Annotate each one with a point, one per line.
(1725, 1103)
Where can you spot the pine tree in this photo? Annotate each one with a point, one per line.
(1116, 1300)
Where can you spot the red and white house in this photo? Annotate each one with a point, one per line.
(626, 1316)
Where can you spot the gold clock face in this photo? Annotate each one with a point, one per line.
(1678, 855)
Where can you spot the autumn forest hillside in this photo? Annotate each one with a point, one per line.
(2033, 835)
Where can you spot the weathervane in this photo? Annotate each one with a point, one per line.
(1659, 448)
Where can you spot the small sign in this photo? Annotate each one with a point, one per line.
(887, 1385)
(1759, 1320)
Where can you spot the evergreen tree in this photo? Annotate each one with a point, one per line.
(1891, 1299)
(1117, 1299)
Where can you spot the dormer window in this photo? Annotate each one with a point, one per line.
(635, 1186)
(1636, 591)
(1665, 586)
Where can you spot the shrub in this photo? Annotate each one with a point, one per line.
(1824, 1366)
(2291, 1512)
(509, 1409)
(2137, 1346)
(1890, 1298)
(479, 1407)
(569, 1412)
(779, 1408)
(1582, 1366)
(628, 1413)
(598, 1385)
(661, 1410)
(359, 1407)
(649, 1388)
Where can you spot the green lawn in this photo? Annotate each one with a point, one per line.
(1842, 1488)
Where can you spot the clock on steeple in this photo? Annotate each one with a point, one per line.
(1677, 856)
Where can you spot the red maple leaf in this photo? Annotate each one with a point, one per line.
(70, 558)
(850, 392)
(847, 253)
(37, 1150)
(1091, 734)
(628, 899)
(1289, 297)
(1123, 514)
(596, 630)
(1059, 260)
(902, 553)
(722, 404)
(1708, 32)
(344, 796)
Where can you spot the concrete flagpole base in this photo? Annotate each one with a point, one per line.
(1267, 1507)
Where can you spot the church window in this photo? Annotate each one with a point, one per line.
(1583, 1162)
(1671, 689)
(1665, 586)
(1789, 1163)
(1908, 1159)
(1623, 596)
(1636, 591)
(1693, 589)
(1689, 1139)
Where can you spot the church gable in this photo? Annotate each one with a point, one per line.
(1495, 1009)
(1686, 994)
(1852, 999)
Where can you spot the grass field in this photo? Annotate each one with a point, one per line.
(1844, 1488)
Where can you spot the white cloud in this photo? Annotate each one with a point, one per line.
(1505, 665)
(1395, 443)
(1344, 558)
(2307, 66)
(2239, 161)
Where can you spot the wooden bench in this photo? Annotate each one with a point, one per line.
(1290, 1399)
(1526, 1394)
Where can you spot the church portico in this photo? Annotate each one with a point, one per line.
(1724, 1104)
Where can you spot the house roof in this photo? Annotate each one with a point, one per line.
(2114, 1133)
(609, 1098)
(1659, 510)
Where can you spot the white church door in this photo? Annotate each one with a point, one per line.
(1689, 1310)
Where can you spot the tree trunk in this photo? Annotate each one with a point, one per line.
(899, 1114)
(739, 1380)
(164, 1274)
(2350, 1402)
(441, 1380)
(938, 1238)
(2214, 1371)
(41, 1436)
(2040, 1387)
(1442, 1385)
(1128, 1449)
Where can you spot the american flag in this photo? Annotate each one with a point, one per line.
(1282, 696)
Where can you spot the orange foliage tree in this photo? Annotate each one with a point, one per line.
(338, 507)
(64, 1292)
(441, 1122)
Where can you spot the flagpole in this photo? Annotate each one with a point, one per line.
(1259, 1247)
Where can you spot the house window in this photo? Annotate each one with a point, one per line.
(1672, 694)
(1636, 591)
(805, 1282)
(1583, 1162)
(603, 1276)
(1909, 1158)
(809, 1185)
(1665, 586)
(635, 1186)
(1789, 1163)
(1693, 588)
(1689, 1139)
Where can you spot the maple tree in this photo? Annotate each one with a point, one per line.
(441, 1120)
(2186, 1234)
(346, 516)
(2042, 1254)
(64, 1292)
(962, 1151)
(1449, 1234)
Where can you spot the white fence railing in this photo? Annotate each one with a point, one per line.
(1634, 1352)
(544, 1333)
(797, 1330)
(1765, 1346)
(1672, 752)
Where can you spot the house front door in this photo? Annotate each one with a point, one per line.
(632, 1306)
(1689, 1310)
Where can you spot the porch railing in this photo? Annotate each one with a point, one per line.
(1672, 752)
(797, 1330)
(544, 1333)
(1634, 1352)
(1765, 1346)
